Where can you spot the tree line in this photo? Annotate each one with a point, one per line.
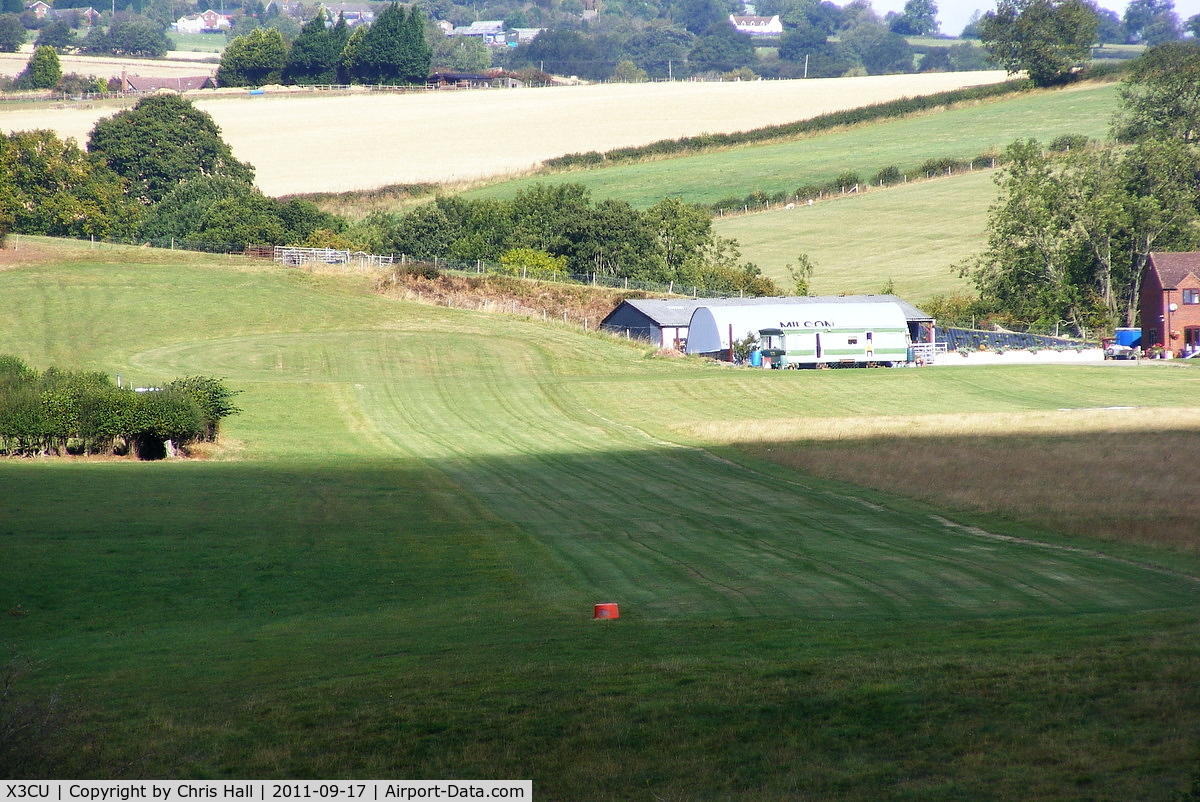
(161, 171)
(158, 170)
(392, 50)
(559, 224)
(1074, 227)
(61, 412)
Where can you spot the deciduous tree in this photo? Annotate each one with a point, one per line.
(1070, 238)
(57, 35)
(12, 33)
(1160, 97)
(1045, 38)
(918, 19)
(722, 49)
(128, 36)
(51, 187)
(1151, 21)
(162, 141)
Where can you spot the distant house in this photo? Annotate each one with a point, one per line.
(137, 85)
(39, 9)
(353, 13)
(490, 31)
(757, 26)
(1170, 302)
(73, 16)
(207, 22)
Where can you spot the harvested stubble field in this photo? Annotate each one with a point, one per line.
(175, 65)
(303, 141)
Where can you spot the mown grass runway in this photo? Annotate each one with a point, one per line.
(390, 571)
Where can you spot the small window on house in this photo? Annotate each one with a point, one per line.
(1191, 296)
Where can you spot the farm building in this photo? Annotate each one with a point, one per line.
(137, 85)
(1170, 302)
(354, 13)
(665, 322)
(490, 31)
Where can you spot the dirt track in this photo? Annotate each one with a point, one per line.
(310, 142)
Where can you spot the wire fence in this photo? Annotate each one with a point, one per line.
(309, 258)
(481, 267)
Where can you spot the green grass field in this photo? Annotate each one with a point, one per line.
(197, 42)
(389, 569)
(912, 235)
(962, 133)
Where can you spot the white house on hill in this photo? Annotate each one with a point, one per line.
(202, 23)
(757, 26)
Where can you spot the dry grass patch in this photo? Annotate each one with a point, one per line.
(1115, 474)
(570, 303)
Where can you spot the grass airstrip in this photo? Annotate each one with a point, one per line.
(388, 568)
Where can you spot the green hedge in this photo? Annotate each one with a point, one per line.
(83, 412)
(823, 122)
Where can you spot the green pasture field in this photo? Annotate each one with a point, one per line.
(197, 42)
(961, 133)
(388, 570)
(913, 235)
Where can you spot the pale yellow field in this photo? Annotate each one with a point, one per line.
(177, 65)
(309, 142)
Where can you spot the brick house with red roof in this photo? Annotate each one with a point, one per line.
(1170, 302)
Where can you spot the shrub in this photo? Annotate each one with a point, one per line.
(1068, 142)
(943, 165)
(848, 178)
(888, 175)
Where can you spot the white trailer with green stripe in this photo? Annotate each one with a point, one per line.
(836, 335)
(795, 335)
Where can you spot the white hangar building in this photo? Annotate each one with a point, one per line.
(666, 323)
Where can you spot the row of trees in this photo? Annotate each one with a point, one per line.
(125, 35)
(392, 50)
(559, 224)
(158, 170)
(819, 40)
(1069, 239)
(83, 412)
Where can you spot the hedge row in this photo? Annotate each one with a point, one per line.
(695, 144)
(852, 181)
(84, 412)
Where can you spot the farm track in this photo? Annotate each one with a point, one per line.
(610, 513)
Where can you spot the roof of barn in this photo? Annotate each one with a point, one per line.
(678, 311)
